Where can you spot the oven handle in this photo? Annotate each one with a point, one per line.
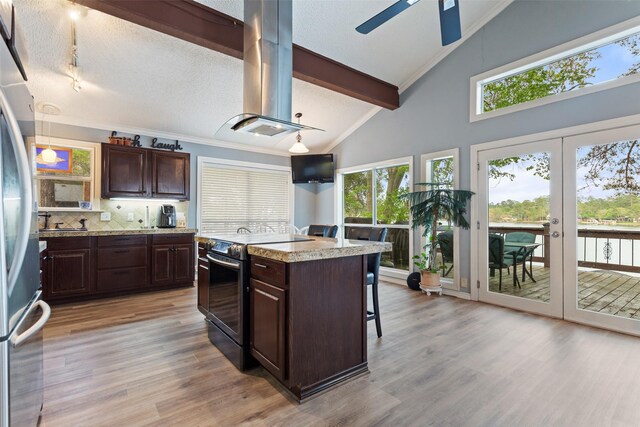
(235, 266)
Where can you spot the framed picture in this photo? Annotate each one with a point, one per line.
(63, 162)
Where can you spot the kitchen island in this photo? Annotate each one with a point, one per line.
(308, 307)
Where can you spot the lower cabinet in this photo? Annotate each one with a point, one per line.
(172, 264)
(68, 273)
(77, 268)
(268, 305)
(203, 280)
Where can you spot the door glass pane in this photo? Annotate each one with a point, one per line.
(358, 198)
(391, 183)
(440, 171)
(608, 211)
(518, 212)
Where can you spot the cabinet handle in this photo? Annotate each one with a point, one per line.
(123, 251)
(203, 267)
(260, 265)
(120, 273)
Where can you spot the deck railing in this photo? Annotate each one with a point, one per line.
(597, 248)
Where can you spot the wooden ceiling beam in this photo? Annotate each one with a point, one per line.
(201, 25)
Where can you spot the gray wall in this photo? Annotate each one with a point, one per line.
(434, 111)
(302, 199)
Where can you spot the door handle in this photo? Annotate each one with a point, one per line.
(26, 201)
(35, 328)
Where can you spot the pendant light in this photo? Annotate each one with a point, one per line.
(298, 147)
(48, 155)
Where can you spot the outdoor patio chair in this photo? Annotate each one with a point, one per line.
(521, 237)
(496, 257)
(445, 241)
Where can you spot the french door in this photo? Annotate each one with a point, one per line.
(519, 221)
(559, 228)
(602, 229)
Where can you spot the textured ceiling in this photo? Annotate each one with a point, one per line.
(136, 79)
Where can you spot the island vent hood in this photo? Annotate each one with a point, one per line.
(268, 74)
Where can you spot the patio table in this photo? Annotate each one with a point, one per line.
(520, 249)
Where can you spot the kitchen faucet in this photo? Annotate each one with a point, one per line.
(46, 217)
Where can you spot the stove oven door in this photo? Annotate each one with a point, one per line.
(226, 295)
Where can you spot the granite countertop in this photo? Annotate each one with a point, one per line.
(317, 248)
(48, 234)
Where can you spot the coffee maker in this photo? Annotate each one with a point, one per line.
(167, 218)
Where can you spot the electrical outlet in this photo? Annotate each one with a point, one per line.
(130, 216)
(105, 216)
(464, 282)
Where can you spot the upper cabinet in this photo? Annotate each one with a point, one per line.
(140, 172)
(170, 175)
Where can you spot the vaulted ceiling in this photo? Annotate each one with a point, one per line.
(138, 80)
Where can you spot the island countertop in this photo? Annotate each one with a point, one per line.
(317, 248)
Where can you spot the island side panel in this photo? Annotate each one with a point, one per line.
(327, 322)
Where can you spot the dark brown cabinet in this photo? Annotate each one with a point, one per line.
(67, 268)
(121, 263)
(203, 281)
(125, 171)
(78, 268)
(141, 172)
(308, 320)
(172, 259)
(170, 175)
(268, 306)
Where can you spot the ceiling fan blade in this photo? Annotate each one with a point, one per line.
(385, 15)
(449, 21)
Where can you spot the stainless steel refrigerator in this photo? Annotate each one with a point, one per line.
(22, 313)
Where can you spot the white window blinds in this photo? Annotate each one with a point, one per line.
(234, 196)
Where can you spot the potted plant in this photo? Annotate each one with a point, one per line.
(428, 208)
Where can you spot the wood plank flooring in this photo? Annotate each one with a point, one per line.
(145, 360)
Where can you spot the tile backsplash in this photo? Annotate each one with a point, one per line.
(119, 210)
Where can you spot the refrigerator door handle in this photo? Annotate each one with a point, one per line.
(18, 339)
(22, 163)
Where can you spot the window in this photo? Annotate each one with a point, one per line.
(233, 194)
(599, 61)
(71, 179)
(442, 168)
(371, 196)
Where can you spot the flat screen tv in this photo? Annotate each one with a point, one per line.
(312, 168)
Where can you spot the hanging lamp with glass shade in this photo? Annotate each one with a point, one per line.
(48, 156)
(298, 147)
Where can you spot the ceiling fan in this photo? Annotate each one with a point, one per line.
(449, 18)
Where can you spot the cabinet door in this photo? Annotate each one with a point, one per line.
(124, 172)
(170, 175)
(183, 263)
(268, 327)
(203, 286)
(161, 264)
(68, 273)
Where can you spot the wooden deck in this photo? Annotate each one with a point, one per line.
(602, 291)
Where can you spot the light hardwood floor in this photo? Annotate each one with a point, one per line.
(442, 361)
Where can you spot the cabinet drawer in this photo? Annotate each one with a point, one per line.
(202, 251)
(127, 256)
(126, 240)
(168, 239)
(269, 271)
(121, 278)
(62, 243)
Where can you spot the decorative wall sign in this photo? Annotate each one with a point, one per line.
(135, 142)
(63, 164)
(163, 146)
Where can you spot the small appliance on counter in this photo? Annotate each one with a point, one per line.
(167, 218)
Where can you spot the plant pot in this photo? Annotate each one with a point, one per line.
(430, 279)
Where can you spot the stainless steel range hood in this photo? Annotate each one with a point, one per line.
(268, 73)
